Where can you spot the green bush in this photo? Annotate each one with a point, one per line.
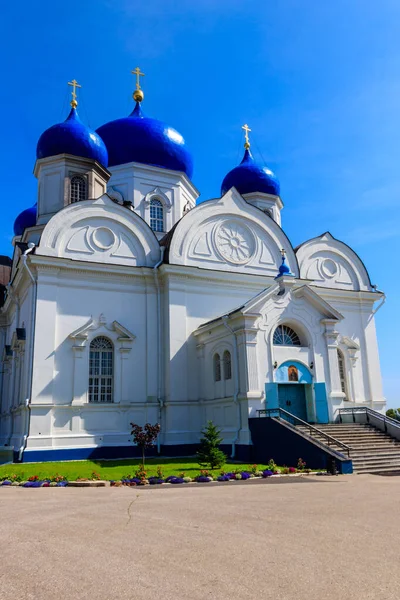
(209, 453)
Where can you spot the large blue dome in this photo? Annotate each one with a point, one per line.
(25, 219)
(72, 137)
(250, 177)
(138, 138)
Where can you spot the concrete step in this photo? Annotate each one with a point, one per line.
(372, 460)
(378, 470)
(371, 450)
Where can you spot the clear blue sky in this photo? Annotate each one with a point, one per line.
(317, 81)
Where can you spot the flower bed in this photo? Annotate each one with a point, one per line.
(141, 477)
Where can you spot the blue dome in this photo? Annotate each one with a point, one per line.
(250, 177)
(25, 219)
(138, 138)
(72, 137)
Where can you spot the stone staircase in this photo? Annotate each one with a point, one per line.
(371, 450)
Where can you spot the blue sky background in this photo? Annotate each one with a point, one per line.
(317, 81)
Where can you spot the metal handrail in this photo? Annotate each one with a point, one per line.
(331, 440)
(369, 412)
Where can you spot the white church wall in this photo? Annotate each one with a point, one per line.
(359, 345)
(66, 302)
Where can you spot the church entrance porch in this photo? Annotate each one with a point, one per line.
(292, 398)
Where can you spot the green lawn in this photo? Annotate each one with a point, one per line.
(112, 469)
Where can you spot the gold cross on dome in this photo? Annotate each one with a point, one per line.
(283, 253)
(74, 85)
(246, 135)
(138, 74)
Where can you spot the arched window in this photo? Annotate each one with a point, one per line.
(78, 188)
(342, 373)
(217, 367)
(101, 362)
(156, 215)
(286, 336)
(227, 365)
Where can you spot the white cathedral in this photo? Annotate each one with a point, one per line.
(125, 301)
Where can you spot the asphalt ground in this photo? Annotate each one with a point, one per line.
(311, 538)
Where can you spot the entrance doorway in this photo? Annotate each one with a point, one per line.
(292, 398)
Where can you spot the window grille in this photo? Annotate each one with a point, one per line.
(227, 365)
(342, 373)
(156, 215)
(78, 188)
(285, 336)
(101, 361)
(217, 367)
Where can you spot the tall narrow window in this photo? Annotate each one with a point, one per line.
(156, 215)
(78, 188)
(227, 365)
(217, 367)
(101, 370)
(342, 373)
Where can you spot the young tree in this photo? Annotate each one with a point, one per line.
(393, 413)
(145, 437)
(209, 452)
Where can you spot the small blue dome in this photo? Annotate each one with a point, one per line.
(284, 269)
(25, 219)
(72, 137)
(250, 177)
(138, 138)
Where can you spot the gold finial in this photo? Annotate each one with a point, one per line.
(138, 94)
(75, 85)
(246, 135)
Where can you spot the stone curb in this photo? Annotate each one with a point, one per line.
(88, 483)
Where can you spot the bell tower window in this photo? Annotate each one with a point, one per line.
(78, 188)
(156, 215)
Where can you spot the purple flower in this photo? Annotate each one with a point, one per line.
(6, 482)
(245, 475)
(203, 479)
(154, 480)
(223, 478)
(267, 473)
(176, 480)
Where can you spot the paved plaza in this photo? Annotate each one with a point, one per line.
(313, 538)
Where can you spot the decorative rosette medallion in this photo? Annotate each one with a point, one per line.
(235, 242)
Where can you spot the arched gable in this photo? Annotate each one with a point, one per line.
(229, 234)
(331, 263)
(100, 231)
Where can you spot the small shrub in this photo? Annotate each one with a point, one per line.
(253, 469)
(141, 473)
(301, 464)
(292, 470)
(187, 479)
(57, 477)
(258, 474)
(272, 466)
(285, 470)
(33, 478)
(238, 476)
(160, 473)
(95, 476)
